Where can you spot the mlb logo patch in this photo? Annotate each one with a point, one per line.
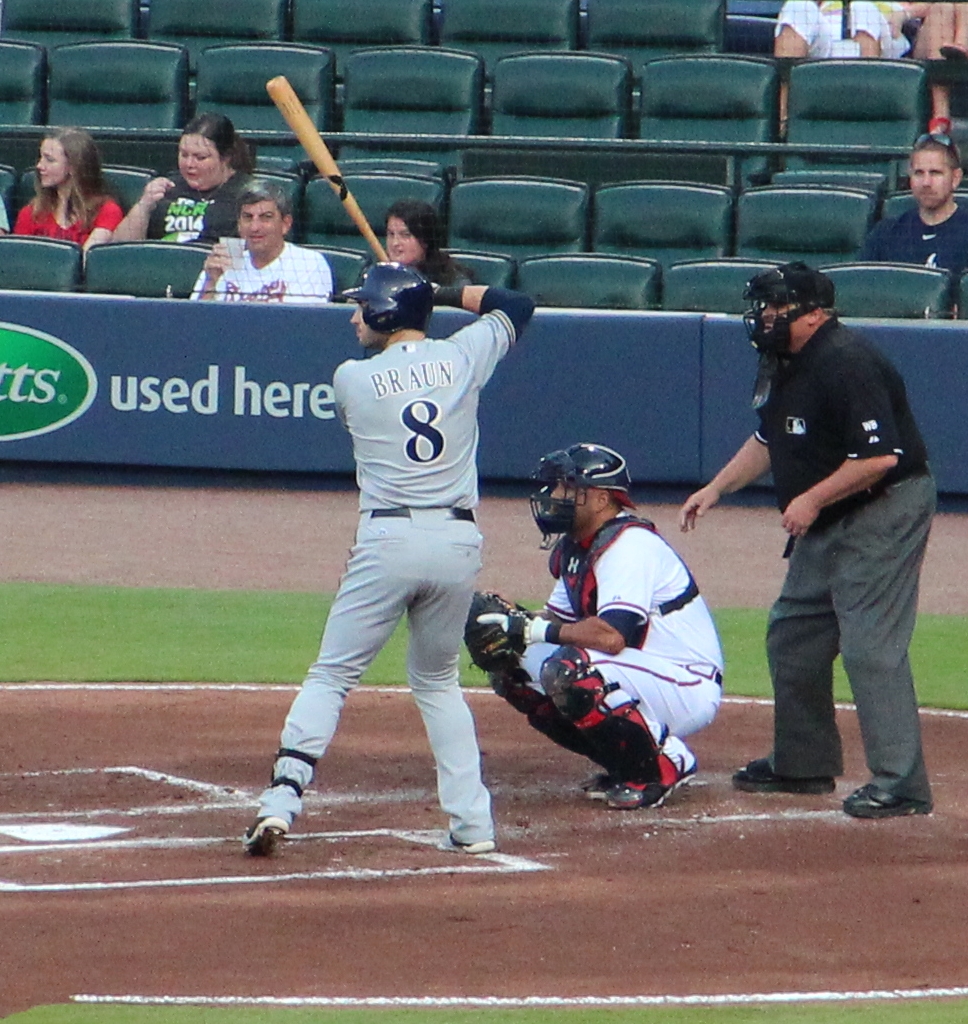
(796, 425)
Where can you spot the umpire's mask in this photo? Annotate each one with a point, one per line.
(796, 285)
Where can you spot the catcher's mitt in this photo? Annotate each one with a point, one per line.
(489, 645)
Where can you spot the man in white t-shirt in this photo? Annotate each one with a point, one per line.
(268, 269)
(816, 28)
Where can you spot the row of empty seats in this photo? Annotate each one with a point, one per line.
(160, 269)
(637, 29)
(518, 217)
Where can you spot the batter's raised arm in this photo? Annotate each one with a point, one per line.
(750, 463)
(481, 299)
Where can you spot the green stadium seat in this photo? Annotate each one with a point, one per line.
(869, 181)
(710, 286)
(709, 99)
(154, 270)
(519, 216)
(347, 264)
(118, 85)
(664, 220)
(410, 90)
(23, 83)
(644, 31)
(592, 281)
(809, 223)
(197, 26)
(50, 23)
(326, 222)
(855, 102)
(497, 28)
(347, 25)
(574, 95)
(896, 290)
(390, 165)
(39, 264)
(487, 267)
(127, 183)
(901, 202)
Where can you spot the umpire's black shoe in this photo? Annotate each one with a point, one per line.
(871, 801)
(758, 777)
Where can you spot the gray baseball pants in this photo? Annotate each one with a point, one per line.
(852, 589)
(424, 567)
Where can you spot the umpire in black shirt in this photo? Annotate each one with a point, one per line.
(857, 499)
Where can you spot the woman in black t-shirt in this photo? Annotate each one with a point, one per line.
(200, 202)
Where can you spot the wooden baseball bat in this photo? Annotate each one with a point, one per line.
(285, 98)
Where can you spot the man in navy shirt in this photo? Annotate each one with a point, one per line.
(935, 234)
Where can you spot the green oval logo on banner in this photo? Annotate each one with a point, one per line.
(44, 383)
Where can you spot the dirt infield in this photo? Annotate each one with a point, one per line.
(720, 892)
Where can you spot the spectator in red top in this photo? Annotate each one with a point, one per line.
(71, 201)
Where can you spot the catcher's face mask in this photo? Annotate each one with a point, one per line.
(553, 509)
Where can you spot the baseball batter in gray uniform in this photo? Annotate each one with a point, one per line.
(411, 410)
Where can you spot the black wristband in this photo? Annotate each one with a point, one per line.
(449, 296)
(553, 635)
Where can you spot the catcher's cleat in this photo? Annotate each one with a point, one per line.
(263, 835)
(596, 787)
(871, 801)
(452, 845)
(631, 796)
(758, 777)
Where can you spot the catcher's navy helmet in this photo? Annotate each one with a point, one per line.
(394, 297)
(578, 467)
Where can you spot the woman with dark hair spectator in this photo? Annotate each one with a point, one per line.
(415, 237)
(71, 201)
(200, 202)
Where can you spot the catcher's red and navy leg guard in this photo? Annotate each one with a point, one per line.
(620, 737)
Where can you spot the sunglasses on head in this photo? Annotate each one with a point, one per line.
(937, 137)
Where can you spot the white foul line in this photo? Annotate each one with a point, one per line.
(732, 999)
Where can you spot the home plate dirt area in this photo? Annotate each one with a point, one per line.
(121, 871)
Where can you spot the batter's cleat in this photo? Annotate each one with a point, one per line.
(262, 836)
(452, 845)
(631, 796)
(871, 801)
(758, 777)
(597, 786)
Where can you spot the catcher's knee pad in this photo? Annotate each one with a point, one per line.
(574, 686)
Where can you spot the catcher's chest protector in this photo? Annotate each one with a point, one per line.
(574, 564)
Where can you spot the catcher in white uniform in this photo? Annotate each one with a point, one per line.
(624, 660)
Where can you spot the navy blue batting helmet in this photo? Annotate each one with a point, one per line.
(393, 298)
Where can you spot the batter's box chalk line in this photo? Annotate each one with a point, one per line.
(732, 999)
(458, 863)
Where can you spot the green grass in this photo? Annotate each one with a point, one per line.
(68, 633)
(910, 1012)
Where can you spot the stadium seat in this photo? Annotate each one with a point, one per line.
(409, 90)
(592, 281)
(497, 28)
(118, 85)
(665, 220)
(39, 264)
(127, 183)
(710, 286)
(895, 290)
(197, 26)
(748, 33)
(519, 216)
(659, 28)
(709, 99)
(487, 267)
(869, 181)
(362, 164)
(326, 222)
(855, 102)
(814, 224)
(51, 23)
(8, 181)
(346, 264)
(23, 83)
(347, 25)
(574, 95)
(153, 270)
(901, 202)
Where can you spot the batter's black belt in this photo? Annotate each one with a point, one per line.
(464, 514)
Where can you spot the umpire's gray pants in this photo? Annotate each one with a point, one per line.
(853, 589)
(423, 567)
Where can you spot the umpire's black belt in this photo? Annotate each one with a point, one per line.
(464, 514)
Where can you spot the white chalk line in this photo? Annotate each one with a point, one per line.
(488, 863)
(731, 999)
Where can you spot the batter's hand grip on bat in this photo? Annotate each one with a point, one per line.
(285, 98)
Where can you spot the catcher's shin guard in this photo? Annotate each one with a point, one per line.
(620, 737)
